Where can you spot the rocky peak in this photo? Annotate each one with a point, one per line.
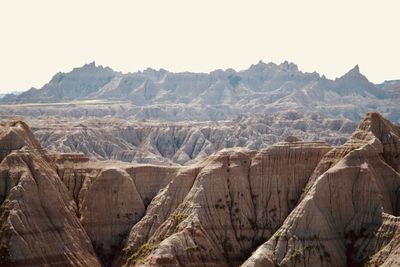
(355, 83)
(44, 230)
(372, 120)
(355, 70)
(260, 66)
(353, 74)
(374, 125)
(288, 66)
(90, 65)
(76, 84)
(14, 135)
(378, 126)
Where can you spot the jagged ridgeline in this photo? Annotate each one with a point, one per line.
(218, 95)
(294, 203)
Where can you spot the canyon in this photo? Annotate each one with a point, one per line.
(267, 166)
(181, 143)
(291, 203)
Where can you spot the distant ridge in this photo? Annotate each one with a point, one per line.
(91, 81)
(262, 88)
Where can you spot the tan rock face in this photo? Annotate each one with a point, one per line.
(38, 222)
(293, 204)
(386, 243)
(159, 210)
(238, 199)
(338, 221)
(111, 198)
(109, 208)
(15, 135)
(180, 143)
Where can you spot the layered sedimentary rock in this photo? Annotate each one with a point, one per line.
(38, 222)
(62, 209)
(294, 203)
(15, 135)
(111, 197)
(183, 143)
(218, 95)
(340, 220)
(236, 199)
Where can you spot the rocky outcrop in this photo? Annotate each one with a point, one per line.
(236, 199)
(342, 212)
(293, 203)
(386, 243)
(183, 143)
(13, 136)
(111, 197)
(38, 224)
(109, 208)
(62, 209)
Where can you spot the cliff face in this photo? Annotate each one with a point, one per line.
(341, 220)
(62, 209)
(38, 222)
(230, 203)
(294, 204)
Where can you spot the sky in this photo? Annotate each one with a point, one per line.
(42, 37)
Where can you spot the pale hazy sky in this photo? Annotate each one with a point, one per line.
(42, 37)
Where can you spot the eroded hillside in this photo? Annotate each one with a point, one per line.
(294, 203)
(182, 143)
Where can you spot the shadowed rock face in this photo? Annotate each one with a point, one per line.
(294, 203)
(347, 201)
(38, 222)
(247, 194)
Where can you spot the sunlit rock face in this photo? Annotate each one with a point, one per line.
(38, 221)
(294, 203)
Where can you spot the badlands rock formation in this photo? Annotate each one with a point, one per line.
(218, 95)
(295, 203)
(343, 218)
(182, 142)
(62, 209)
(38, 222)
(248, 196)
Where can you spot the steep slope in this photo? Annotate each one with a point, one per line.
(77, 84)
(111, 197)
(225, 207)
(387, 243)
(62, 209)
(38, 222)
(337, 223)
(354, 83)
(293, 203)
